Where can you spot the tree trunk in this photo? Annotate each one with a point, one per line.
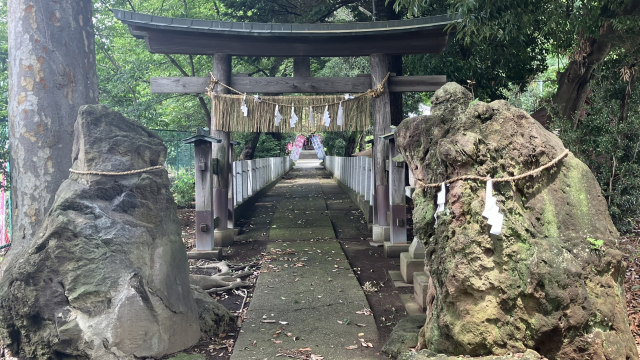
(624, 105)
(352, 144)
(52, 74)
(573, 83)
(250, 147)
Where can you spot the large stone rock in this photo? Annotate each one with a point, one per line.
(542, 284)
(107, 276)
(404, 336)
(213, 317)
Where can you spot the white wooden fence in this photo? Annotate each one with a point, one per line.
(354, 172)
(251, 176)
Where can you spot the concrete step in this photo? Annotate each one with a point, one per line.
(420, 288)
(409, 265)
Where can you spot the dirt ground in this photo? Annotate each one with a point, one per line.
(630, 245)
(369, 264)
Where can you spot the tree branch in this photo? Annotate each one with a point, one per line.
(175, 63)
(193, 70)
(203, 104)
(115, 65)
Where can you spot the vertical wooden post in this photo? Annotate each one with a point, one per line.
(301, 67)
(396, 195)
(381, 125)
(223, 236)
(204, 196)
(245, 180)
(232, 187)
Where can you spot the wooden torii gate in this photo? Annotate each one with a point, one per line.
(222, 39)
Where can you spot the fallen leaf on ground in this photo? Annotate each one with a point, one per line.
(352, 347)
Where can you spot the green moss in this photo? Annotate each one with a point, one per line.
(424, 209)
(549, 220)
(576, 190)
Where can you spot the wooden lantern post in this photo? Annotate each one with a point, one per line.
(397, 195)
(204, 196)
(231, 220)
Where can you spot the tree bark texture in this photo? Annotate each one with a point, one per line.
(52, 73)
(574, 82)
(352, 144)
(250, 147)
(220, 156)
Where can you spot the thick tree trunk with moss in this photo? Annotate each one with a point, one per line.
(552, 281)
(574, 82)
(250, 147)
(352, 144)
(52, 74)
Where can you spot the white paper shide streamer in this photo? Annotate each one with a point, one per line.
(340, 119)
(326, 117)
(278, 116)
(294, 117)
(312, 119)
(492, 211)
(243, 107)
(442, 196)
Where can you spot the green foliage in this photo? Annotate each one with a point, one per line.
(183, 187)
(608, 144)
(4, 96)
(334, 143)
(268, 146)
(596, 244)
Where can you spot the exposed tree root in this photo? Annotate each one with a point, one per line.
(222, 281)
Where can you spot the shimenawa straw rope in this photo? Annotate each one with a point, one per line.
(90, 172)
(504, 179)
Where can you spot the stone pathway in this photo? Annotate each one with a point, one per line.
(307, 299)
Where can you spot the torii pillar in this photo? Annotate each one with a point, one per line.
(379, 64)
(220, 154)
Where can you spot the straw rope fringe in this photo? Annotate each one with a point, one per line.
(504, 179)
(228, 116)
(116, 173)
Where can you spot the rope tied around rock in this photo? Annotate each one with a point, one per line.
(107, 173)
(504, 179)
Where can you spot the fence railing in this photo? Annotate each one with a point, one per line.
(355, 172)
(251, 176)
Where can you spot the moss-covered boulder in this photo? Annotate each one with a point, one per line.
(552, 281)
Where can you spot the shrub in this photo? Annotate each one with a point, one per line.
(183, 187)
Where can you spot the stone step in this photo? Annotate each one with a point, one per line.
(410, 265)
(420, 288)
